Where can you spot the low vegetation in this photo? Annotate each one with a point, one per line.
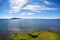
(42, 35)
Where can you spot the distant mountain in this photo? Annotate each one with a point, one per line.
(58, 18)
(15, 18)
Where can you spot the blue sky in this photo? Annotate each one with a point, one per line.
(41, 9)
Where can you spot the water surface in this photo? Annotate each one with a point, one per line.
(21, 25)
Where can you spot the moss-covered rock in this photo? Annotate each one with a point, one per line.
(33, 34)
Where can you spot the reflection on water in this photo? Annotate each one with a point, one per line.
(13, 25)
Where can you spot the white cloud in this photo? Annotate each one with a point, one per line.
(46, 2)
(22, 14)
(16, 5)
(32, 7)
(31, 14)
(38, 8)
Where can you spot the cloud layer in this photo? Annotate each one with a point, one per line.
(16, 5)
(37, 8)
(24, 14)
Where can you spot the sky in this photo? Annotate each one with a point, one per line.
(30, 9)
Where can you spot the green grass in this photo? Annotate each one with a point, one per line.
(42, 35)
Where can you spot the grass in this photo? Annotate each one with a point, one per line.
(42, 35)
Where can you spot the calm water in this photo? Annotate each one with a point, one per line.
(29, 25)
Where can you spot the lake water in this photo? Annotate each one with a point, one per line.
(21, 25)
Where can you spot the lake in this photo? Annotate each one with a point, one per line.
(23, 25)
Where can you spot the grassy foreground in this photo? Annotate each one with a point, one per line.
(42, 35)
